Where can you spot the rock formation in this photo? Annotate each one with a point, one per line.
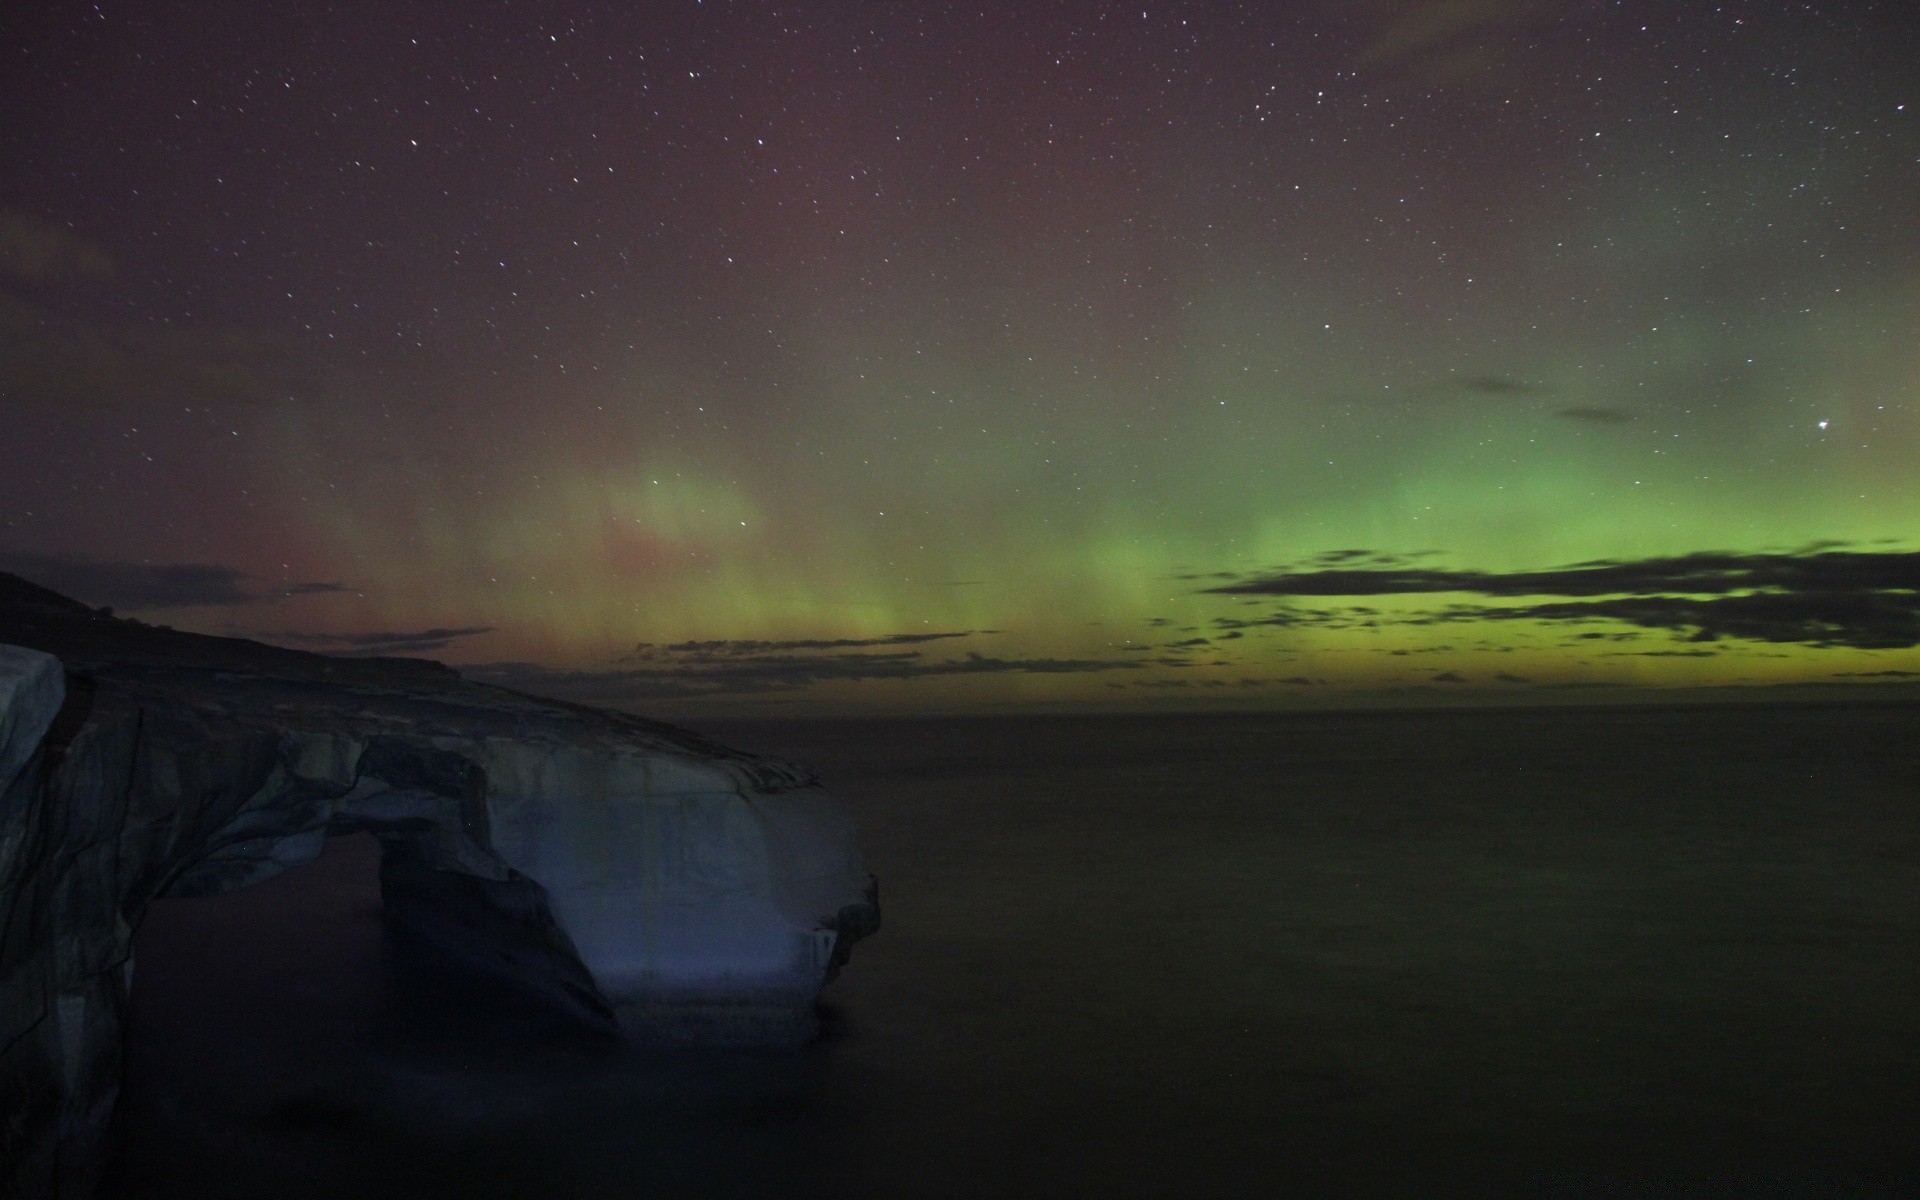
(640, 876)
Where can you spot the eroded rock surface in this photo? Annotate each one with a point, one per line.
(644, 878)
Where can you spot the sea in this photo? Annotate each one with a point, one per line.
(1550, 952)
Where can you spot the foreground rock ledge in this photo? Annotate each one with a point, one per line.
(643, 878)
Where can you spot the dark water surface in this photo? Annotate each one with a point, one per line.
(1519, 952)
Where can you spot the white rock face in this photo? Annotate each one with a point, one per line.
(705, 910)
(702, 906)
(32, 688)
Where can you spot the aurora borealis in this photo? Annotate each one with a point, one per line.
(705, 355)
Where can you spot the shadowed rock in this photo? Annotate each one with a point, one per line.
(643, 878)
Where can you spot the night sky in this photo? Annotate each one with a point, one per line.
(736, 356)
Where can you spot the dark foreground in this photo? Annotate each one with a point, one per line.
(1537, 953)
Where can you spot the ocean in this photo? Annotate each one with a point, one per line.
(1567, 952)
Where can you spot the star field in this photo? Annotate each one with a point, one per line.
(710, 354)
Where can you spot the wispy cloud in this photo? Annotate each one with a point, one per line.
(146, 586)
(131, 585)
(1452, 41)
(64, 345)
(47, 360)
(40, 252)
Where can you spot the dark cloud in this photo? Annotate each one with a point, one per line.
(1704, 573)
(1876, 674)
(383, 644)
(721, 668)
(1449, 677)
(1596, 415)
(1818, 596)
(748, 647)
(1495, 385)
(1453, 388)
(1352, 617)
(1509, 677)
(1663, 654)
(1859, 620)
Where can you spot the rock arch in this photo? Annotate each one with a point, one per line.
(642, 878)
